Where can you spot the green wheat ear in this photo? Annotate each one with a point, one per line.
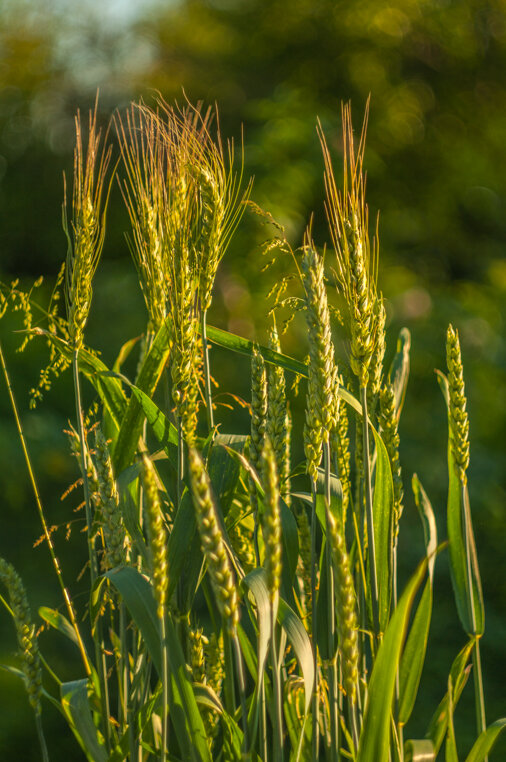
(321, 408)
(459, 420)
(85, 234)
(213, 546)
(157, 536)
(25, 630)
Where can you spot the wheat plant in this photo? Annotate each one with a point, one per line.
(241, 608)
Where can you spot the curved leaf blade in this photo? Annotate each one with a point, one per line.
(373, 743)
(486, 741)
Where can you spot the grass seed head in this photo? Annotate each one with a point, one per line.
(87, 229)
(117, 541)
(278, 418)
(459, 420)
(389, 431)
(25, 629)
(321, 397)
(157, 536)
(271, 520)
(213, 546)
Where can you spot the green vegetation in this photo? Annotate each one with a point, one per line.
(240, 605)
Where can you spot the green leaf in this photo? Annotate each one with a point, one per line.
(303, 651)
(382, 512)
(59, 622)
(223, 469)
(76, 705)
(413, 656)
(245, 347)
(256, 583)
(451, 754)
(485, 741)
(459, 675)
(138, 596)
(133, 419)
(374, 737)
(398, 374)
(458, 507)
(419, 751)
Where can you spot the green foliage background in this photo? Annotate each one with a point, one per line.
(435, 159)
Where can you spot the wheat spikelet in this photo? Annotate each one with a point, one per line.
(146, 162)
(340, 444)
(25, 630)
(278, 419)
(356, 272)
(390, 434)
(304, 565)
(86, 234)
(459, 420)
(322, 384)
(213, 547)
(346, 615)
(157, 536)
(376, 372)
(271, 521)
(259, 402)
(198, 643)
(117, 541)
(241, 540)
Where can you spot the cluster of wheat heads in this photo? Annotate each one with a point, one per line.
(230, 616)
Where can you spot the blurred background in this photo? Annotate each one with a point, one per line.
(435, 158)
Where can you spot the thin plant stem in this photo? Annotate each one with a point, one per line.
(479, 698)
(331, 623)
(165, 691)
(263, 725)
(241, 682)
(180, 460)
(314, 629)
(278, 699)
(369, 512)
(41, 737)
(38, 502)
(98, 639)
(207, 373)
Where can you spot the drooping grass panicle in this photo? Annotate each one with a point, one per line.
(321, 407)
(459, 419)
(86, 232)
(25, 629)
(346, 614)
(271, 521)
(116, 538)
(278, 418)
(213, 546)
(157, 536)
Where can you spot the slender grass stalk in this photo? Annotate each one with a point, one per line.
(314, 629)
(331, 620)
(207, 373)
(369, 512)
(92, 556)
(41, 737)
(40, 510)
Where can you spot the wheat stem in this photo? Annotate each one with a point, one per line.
(98, 639)
(369, 511)
(331, 623)
(207, 373)
(314, 628)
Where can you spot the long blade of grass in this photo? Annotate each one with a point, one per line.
(459, 674)
(382, 513)
(373, 743)
(413, 657)
(485, 741)
(75, 703)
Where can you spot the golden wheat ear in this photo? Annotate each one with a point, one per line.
(86, 232)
